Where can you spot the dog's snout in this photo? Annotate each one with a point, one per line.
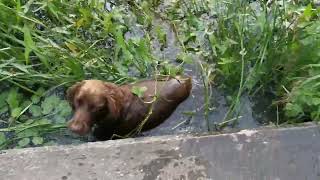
(78, 127)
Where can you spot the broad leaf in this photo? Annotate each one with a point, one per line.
(35, 110)
(49, 104)
(16, 112)
(37, 140)
(24, 142)
(2, 138)
(139, 91)
(13, 98)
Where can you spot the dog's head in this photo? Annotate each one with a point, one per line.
(92, 101)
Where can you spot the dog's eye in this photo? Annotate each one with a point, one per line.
(78, 102)
(97, 108)
(92, 108)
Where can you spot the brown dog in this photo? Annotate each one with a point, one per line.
(116, 110)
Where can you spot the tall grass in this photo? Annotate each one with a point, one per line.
(46, 45)
(58, 41)
(257, 46)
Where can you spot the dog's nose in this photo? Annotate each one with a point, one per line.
(78, 127)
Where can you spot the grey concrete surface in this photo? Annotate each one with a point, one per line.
(267, 154)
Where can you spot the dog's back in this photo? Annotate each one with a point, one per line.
(169, 93)
(161, 98)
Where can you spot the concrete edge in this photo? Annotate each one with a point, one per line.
(159, 139)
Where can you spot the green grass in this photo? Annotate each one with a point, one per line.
(45, 46)
(272, 49)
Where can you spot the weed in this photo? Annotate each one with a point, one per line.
(257, 46)
(47, 45)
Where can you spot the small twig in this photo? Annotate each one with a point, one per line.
(178, 124)
(285, 89)
(230, 120)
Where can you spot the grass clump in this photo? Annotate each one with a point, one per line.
(257, 47)
(46, 45)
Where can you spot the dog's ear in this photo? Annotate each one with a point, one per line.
(72, 91)
(112, 96)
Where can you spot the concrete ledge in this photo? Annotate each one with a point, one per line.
(269, 154)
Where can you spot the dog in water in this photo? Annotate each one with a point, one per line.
(109, 109)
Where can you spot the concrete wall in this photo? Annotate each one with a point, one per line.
(269, 154)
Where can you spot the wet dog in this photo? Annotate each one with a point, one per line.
(110, 110)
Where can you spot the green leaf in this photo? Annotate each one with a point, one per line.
(28, 122)
(35, 99)
(315, 115)
(107, 22)
(172, 70)
(161, 35)
(186, 58)
(24, 142)
(22, 68)
(307, 14)
(41, 91)
(16, 112)
(76, 68)
(3, 97)
(61, 30)
(316, 101)
(123, 45)
(13, 98)
(28, 43)
(72, 47)
(224, 61)
(4, 109)
(64, 108)
(35, 110)
(59, 119)
(43, 58)
(37, 140)
(43, 121)
(2, 138)
(23, 118)
(28, 132)
(25, 104)
(143, 50)
(139, 91)
(293, 110)
(49, 104)
(53, 9)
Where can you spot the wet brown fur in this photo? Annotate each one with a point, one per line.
(116, 110)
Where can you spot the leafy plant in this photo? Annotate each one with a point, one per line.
(26, 128)
(46, 45)
(256, 46)
(139, 91)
